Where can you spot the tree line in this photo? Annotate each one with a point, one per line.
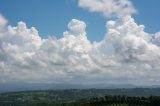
(116, 101)
(108, 100)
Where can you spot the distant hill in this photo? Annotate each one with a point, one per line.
(59, 96)
(83, 96)
(7, 87)
(20, 86)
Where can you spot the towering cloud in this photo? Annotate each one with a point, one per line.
(127, 54)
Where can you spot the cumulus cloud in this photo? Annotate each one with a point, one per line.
(109, 7)
(127, 54)
(3, 21)
(130, 41)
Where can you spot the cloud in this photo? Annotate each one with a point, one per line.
(130, 41)
(127, 54)
(76, 27)
(109, 8)
(3, 21)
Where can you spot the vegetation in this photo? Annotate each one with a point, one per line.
(119, 101)
(88, 97)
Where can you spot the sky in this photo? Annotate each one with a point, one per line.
(80, 41)
(51, 17)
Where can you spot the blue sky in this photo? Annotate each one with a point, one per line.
(51, 17)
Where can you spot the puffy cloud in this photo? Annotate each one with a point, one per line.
(109, 7)
(156, 39)
(127, 54)
(3, 21)
(76, 28)
(130, 41)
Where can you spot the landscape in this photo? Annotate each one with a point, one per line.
(83, 97)
(79, 53)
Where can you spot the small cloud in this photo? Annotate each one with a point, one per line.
(109, 8)
(3, 21)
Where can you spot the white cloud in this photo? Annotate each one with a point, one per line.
(130, 41)
(109, 7)
(127, 54)
(3, 21)
(156, 39)
(76, 27)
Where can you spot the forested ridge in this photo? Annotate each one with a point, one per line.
(83, 97)
(119, 100)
